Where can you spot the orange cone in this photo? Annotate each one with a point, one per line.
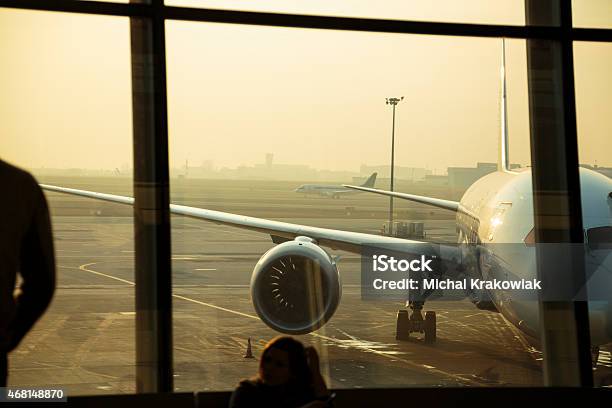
(249, 352)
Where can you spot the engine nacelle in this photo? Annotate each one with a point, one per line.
(295, 287)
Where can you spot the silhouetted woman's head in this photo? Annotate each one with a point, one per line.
(284, 362)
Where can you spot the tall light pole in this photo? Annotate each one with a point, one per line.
(393, 102)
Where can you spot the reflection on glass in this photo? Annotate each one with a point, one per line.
(66, 117)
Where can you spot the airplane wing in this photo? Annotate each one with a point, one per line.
(435, 202)
(280, 231)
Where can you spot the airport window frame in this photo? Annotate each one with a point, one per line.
(151, 168)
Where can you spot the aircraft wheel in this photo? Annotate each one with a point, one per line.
(430, 327)
(402, 330)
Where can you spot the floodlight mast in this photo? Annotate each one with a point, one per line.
(393, 102)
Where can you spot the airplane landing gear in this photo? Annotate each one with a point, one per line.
(416, 324)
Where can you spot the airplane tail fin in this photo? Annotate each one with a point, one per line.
(503, 163)
(370, 181)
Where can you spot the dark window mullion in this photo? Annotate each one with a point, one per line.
(79, 6)
(309, 21)
(154, 363)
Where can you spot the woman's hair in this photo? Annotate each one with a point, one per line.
(298, 363)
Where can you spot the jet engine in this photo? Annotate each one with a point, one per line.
(295, 287)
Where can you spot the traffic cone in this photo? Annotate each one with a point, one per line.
(249, 352)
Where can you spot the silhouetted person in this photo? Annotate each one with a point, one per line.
(26, 247)
(288, 376)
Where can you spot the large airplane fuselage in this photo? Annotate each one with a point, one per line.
(502, 203)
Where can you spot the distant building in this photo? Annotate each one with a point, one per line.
(460, 178)
(436, 180)
(401, 172)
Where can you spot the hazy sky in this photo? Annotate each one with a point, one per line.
(310, 97)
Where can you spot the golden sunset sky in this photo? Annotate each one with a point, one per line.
(313, 97)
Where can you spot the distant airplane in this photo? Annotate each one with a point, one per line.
(333, 191)
(295, 286)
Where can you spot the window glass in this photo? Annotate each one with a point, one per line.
(592, 13)
(65, 116)
(269, 123)
(592, 64)
(517, 100)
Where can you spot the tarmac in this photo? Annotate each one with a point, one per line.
(85, 342)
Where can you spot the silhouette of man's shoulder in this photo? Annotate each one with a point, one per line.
(20, 190)
(15, 173)
(22, 202)
(27, 245)
(21, 193)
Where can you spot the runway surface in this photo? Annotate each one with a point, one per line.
(85, 341)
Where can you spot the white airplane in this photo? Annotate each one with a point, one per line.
(296, 288)
(497, 210)
(333, 191)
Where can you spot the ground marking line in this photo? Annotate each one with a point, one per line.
(84, 267)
